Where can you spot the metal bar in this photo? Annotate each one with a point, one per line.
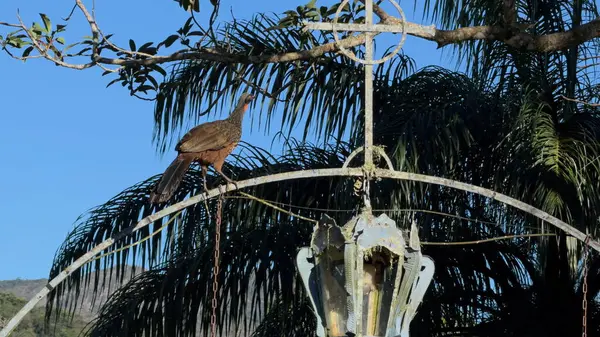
(369, 86)
(345, 27)
(306, 174)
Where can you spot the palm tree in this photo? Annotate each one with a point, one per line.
(501, 126)
(550, 153)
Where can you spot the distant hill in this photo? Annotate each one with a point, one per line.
(26, 289)
(23, 288)
(32, 325)
(15, 293)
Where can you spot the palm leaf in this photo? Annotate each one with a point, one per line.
(324, 94)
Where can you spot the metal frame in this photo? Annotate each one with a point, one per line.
(370, 30)
(308, 174)
(367, 170)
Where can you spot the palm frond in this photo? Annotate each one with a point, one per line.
(174, 299)
(323, 95)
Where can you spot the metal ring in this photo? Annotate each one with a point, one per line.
(376, 149)
(351, 55)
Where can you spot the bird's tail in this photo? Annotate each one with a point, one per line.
(171, 179)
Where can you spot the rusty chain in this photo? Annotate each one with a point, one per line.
(215, 287)
(585, 287)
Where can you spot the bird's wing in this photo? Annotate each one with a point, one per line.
(207, 136)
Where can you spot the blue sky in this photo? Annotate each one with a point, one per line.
(67, 143)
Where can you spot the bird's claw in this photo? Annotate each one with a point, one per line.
(229, 181)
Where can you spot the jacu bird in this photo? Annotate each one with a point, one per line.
(208, 144)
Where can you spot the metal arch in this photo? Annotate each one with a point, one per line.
(305, 174)
(377, 149)
(335, 26)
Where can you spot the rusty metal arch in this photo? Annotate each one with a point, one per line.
(346, 172)
(368, 170)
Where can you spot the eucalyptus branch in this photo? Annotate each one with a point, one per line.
(143, 98)
(44, 51)
(305, 174)
(93, 26)
(520, 40)
(9, 24)
(21, 58)
(106, 69)
(507, 35)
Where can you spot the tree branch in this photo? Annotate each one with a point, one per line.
(44, 51)
(505, 34)
(214, 55)
(521, 40)
(2, 23)
(93, 25)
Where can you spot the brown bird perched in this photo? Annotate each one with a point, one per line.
(208, 144)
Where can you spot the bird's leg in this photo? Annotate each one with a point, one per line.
(204, 169)
(229, 180)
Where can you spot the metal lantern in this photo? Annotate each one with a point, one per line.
(365, 278)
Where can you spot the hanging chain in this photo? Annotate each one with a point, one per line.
(585, 286)
(215, 287)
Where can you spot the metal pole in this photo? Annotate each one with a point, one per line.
(369, 86)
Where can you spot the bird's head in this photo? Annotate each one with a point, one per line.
(245, 101)
(246, 98)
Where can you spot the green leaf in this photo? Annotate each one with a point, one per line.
(146, 45)
(37, 28)
(70, 46)
(132, 45)
(170, 40)
(112, 82)
(153, 80)
(27, 51)
(151, 50)
(145, 88)
(312, 15)
(60, 28)
(47, 22)
(83, 51)
(15, 41)
(195, 33)
(311, 4)
(158, 69)
(187, 26)
(60, 40)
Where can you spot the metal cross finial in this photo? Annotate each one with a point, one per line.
(370, 31)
